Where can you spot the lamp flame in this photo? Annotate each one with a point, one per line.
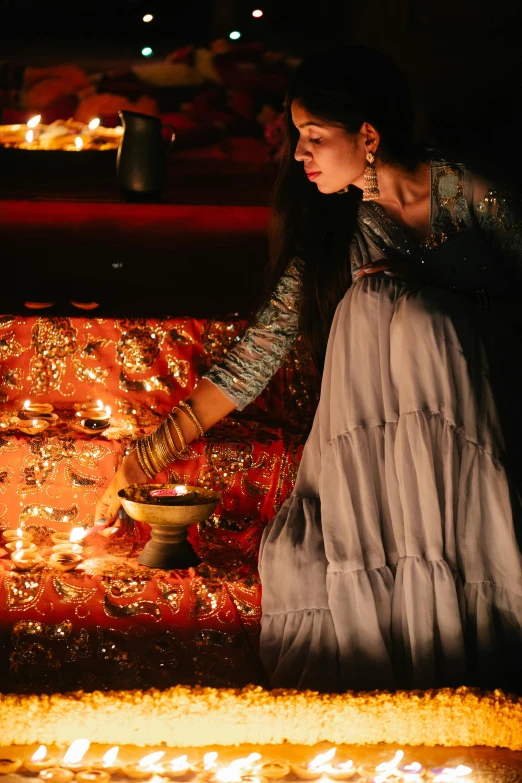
(34, 121)
(19, 545)
(27, 403)
(180, 489)
(209, 760)
(179, 764)
(77, 535)
(108, 410)
(99, 404)
(322, 759)
(94, 123)
(19, 532)
(110, 757)
(29, 136)
(39, 754)
(151, 759)
(77, 751)
(257, 13)
(78, 142)
(35, 422)
(389, 766)
(242, 763)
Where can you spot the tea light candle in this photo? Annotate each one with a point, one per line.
(108, 762)
(96, 414)
(208, 764)
(69, 547)
(17, 535)
(39, 760)
(93, 776)
(73, 759)
(8, 766)
(145, 768)
(56, 775)
(33, 427)
(20, 545)
(61, 538)
(342, 771)
(37, 407)
(273, 770)
(65, 561)
(372, 771)
(315, 768)
(95, 425)
(24, 560)
(176, 768)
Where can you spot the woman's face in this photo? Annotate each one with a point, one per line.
(332, 157)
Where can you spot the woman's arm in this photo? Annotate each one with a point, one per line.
(233, 383)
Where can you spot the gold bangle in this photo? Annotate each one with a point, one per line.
(161, 447)
(188, 410)
(179, 433)
(170, 440)
(143, 459)
(150, 456)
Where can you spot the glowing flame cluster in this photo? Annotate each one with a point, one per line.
(233, 773)
(76, 751)
(39, 754)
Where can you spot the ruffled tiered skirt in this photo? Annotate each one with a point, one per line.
(396, 561)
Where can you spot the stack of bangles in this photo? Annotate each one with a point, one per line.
(158, 450)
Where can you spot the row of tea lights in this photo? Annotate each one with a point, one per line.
(66, 552)
(34, 129)
(35, 417)
(248, 770)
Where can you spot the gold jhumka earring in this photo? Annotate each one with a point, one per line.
(371, 190)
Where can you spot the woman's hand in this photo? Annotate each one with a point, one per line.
(109, 511)
(401, 270)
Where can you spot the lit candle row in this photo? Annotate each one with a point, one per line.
(74, 765)
(66, 552)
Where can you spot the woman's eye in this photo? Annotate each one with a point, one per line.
(316, 141)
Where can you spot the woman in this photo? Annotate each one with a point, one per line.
(396, 561)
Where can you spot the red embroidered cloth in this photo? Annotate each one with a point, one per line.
(114, 623)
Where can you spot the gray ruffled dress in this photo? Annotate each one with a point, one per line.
(396, 560)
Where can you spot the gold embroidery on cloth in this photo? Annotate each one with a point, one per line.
(53, 339)
(52, 514)
(118, 587)
(171, 594)
(23, 590)
(89, 374)
(90, 454)
(131, 610)
(72, 594)
(179, 370)
(153, 383)
(6, 474)
(249, 610)
(76, 478)
(138, 348)
(207, 598)
(11, 378)
(9, 346)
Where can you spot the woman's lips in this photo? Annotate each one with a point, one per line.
(312, 174)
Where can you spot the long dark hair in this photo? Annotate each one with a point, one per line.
(346, 88)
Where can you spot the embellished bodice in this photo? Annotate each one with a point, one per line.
(474, 248)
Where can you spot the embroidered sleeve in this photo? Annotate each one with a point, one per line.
(499, 215)
(250, 365)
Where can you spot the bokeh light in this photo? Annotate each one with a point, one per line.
(146, 51)
(257, 14)
(148, 18)
(235, 35)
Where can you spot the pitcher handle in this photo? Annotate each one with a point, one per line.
(173, 134)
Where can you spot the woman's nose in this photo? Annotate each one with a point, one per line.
(301, 153)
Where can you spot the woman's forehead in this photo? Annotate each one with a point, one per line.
(302, 118)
